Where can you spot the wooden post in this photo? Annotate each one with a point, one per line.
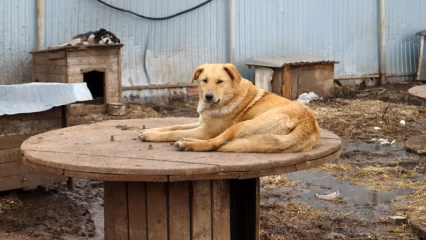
(419, 65)
(231, 31)
(40, 23)
(382, 42)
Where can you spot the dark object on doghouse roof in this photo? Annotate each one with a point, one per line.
(79, 47)
(421, 33)
(38, 97)
(280, 61)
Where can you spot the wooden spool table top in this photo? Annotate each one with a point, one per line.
(418, 91)
(86, 151)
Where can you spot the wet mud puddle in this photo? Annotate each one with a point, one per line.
(366, 203)
(361, 200)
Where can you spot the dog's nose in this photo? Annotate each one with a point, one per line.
(209, 96)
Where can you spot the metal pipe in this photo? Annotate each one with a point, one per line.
(40, 23)
(231, 31)
(382, 42)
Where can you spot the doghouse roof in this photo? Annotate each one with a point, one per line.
(79, 47)
(280, 61)
(38, 97)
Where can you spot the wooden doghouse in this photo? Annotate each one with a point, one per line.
(293, 76)
(14, 130)
(97, 65)
(27, 110)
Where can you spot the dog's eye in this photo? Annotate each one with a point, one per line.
(205, 80)
(219, 82)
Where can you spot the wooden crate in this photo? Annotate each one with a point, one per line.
(71, 64)
(293, 76)
(15, 129)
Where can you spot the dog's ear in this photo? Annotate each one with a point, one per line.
(196, 73)
(233, 72)
(102, 30)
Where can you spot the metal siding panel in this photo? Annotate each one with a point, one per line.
(19, 37)
(340, 30)
(155, 52)
(403, 20)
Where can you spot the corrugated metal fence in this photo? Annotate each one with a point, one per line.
(167, 52)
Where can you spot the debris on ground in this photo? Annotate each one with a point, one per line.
(330, 196)
(397, 220)
(306, 98)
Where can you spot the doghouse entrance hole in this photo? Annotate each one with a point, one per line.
(95, 81)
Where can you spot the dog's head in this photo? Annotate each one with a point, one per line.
(217, 83)
(106, 37)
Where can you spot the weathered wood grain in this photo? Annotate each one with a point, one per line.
(128, 159)
(221, 210)
(137, 211)
(157, 223)
(201, 210)
(179, 211)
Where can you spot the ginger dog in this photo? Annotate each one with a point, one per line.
(236, 116)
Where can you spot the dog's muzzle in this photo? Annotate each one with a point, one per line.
(208, 97)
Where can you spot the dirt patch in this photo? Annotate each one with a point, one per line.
(289, 209)
(51, 212)
(174, 108)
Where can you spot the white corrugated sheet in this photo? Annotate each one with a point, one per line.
(38, 97)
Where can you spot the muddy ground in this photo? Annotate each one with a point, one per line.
(374, 181)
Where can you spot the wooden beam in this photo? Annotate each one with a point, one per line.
(40, 23)
(382, 42)
(159, 86)
(419, 66)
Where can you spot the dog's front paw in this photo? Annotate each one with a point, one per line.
(147, 136)
(182, 145)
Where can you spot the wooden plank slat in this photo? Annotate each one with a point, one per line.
(112, 95)
(29, 180)
(112, 80)
(157, 211)
(179, 211)
(116, 218)
(75, 78)
(81, 109)
(50, 77)
(14, 168)
(221, 210)
(91, 60)
(121, 222)
(44, 60)
(56, 55)
(8, 142)
(76, 69)
(51, 113)
(30, 126)
(137, 211)
(119, 78)
(201, 219)
(109, 219)
(10, 155)
(93, 52)
(50, 69)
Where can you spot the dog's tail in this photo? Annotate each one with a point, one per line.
(296, 141)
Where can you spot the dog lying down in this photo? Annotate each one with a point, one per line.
(236, 116)
(102, 36)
